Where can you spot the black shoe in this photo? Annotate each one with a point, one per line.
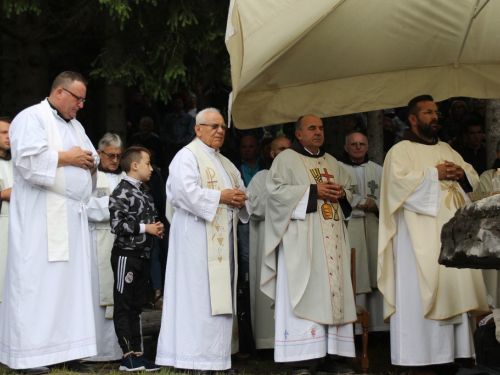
(333, 368)
(34, 370)
(78, 366)
(131, 363)
(231, 371)
(148, 365)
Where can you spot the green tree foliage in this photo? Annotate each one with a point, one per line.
(155, 45)
(162, 44)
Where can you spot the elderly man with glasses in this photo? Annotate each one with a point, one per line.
(366, 179)
(424, 182)
(208, 195)
(46, 315)
(109, 174)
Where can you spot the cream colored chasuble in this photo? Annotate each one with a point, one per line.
(217, 231)
(444, 292)
(316, 249)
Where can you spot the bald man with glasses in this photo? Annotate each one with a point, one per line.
(366, 177)
(209, 196)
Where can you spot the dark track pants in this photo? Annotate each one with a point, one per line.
(130, 289)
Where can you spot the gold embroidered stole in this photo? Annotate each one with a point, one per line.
(331, 228)
(217, 232)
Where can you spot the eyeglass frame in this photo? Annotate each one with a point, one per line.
(112, 156)
(215, 126)
(361, 144)
(78, 99)
(430, 112)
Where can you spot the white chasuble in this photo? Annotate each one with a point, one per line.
(261, 306)
(191, 336)
(102, 240)
(363, 226)
(316, 249)
(46, 316)
(6, 181)
(403, 171)
(485, 183)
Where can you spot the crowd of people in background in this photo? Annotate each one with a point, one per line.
(91, 228)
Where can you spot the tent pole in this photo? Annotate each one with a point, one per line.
(473, 15)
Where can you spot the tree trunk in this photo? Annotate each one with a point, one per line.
(24, 69)
(115, 109)
(376, 136)
(115, 113)
(492, 130)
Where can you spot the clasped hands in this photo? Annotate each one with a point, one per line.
(450, 171)
(330, 191)
(156, 229)
(369, 206)
(234, 197)
(81, 158)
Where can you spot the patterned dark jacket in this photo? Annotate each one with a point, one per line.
(129, 207)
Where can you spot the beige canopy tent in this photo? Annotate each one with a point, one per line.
(333, 57)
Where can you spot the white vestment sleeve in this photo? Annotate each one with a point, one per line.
(245, 212)
(30, 152)
(97, 209)
(300, 211)
(426, 198)
(184, 187)
(258, 195)
(355, 200)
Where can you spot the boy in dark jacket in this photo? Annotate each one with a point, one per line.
(135, 223)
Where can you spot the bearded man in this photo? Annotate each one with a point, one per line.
(423, 184)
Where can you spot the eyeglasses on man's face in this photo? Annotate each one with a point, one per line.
(215, 126)
(112, 156)
(358, 144)
(430, 112)
(78, 99)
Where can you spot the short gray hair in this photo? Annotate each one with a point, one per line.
(351, 133)
(298, 123)
(200, 117)
(110, 139)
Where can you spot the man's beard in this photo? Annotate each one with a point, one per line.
(427, 131)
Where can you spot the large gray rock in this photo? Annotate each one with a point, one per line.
(471, 239)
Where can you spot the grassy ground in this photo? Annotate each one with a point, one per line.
(263, 363)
